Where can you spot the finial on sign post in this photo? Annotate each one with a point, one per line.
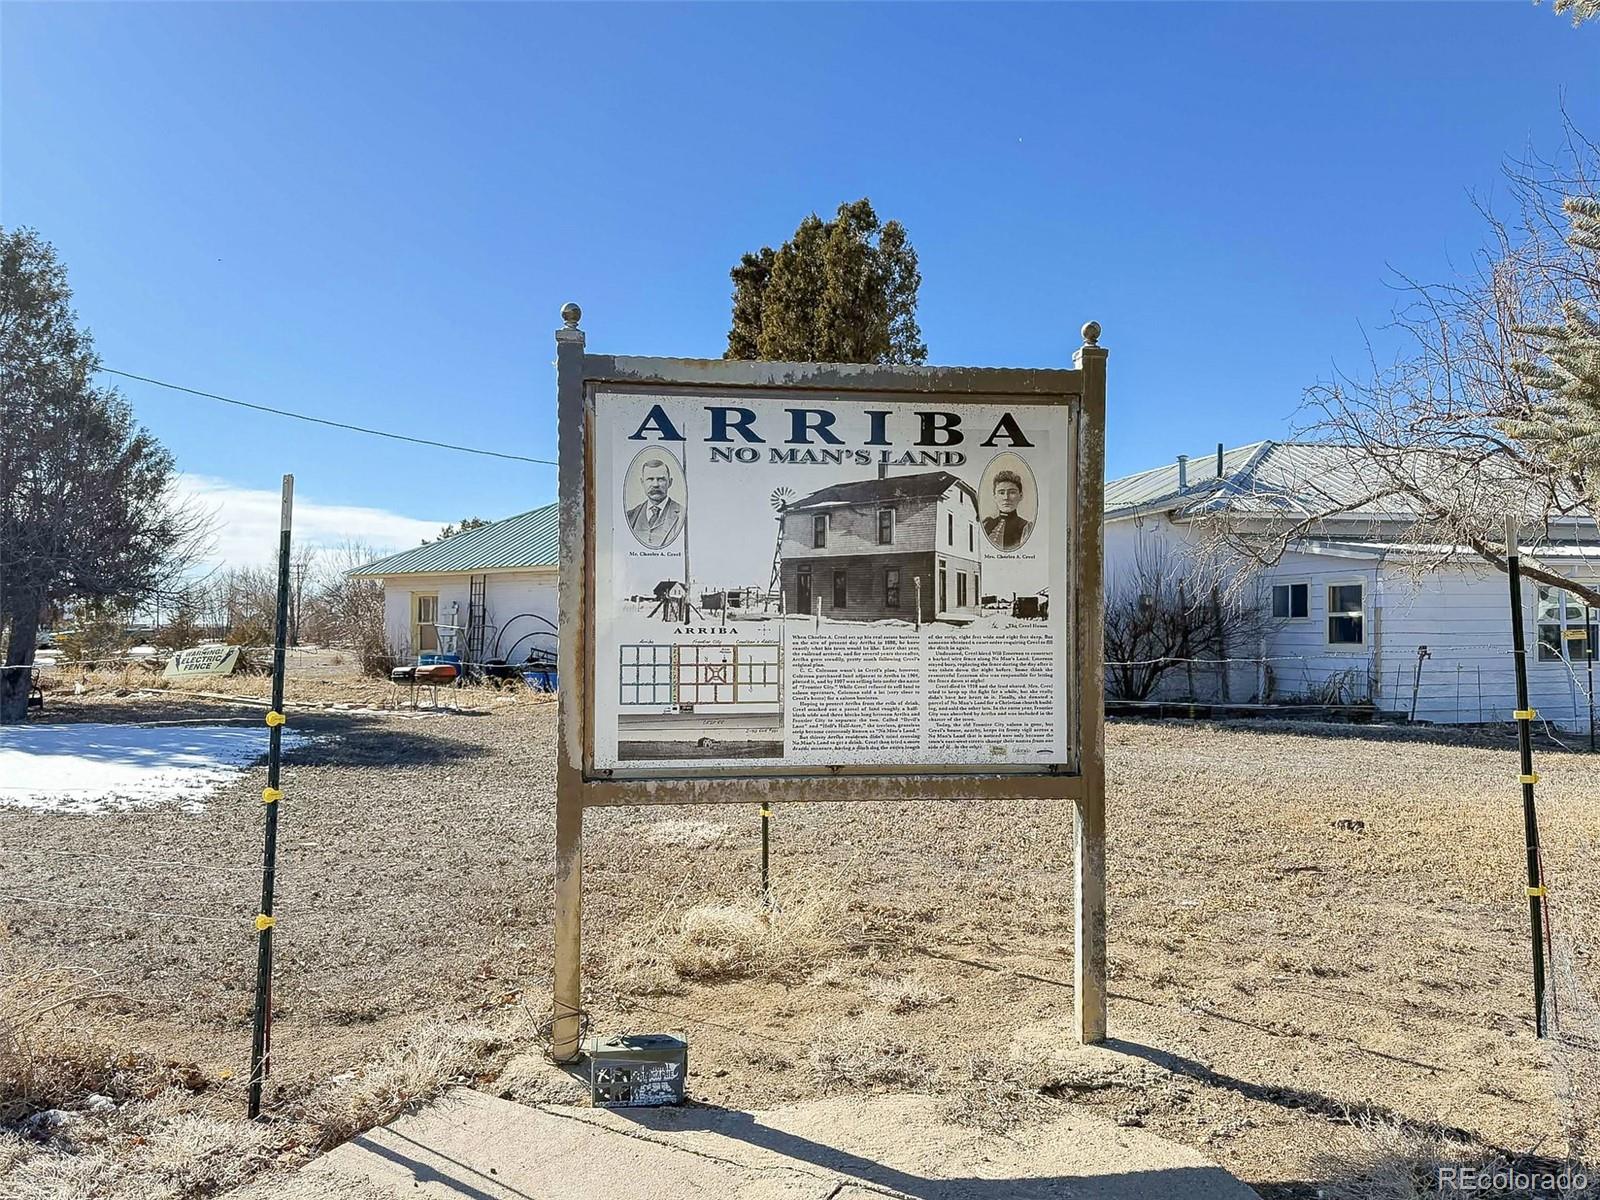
(571, 314)
(1091, 333)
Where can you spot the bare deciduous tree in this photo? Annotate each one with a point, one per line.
(1446, 441)
(352, 610)
(1164, 613)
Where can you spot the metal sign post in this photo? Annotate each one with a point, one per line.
(766, 879)
(566, 1028)
(1588, 658)
(1530, 819)
(1089, 933)
(261, 1034)
(899, 474)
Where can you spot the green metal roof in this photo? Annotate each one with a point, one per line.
(530, 539)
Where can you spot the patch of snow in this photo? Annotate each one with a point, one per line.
(93, 768)
(43, 1124)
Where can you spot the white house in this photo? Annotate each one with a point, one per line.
(489, 593)
(1349, 610)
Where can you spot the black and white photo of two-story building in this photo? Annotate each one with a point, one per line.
(865, 551)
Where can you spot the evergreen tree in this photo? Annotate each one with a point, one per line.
(448, 531)
(843, 290)
(1581, 10)
(1564, 424)
(749, 283)
(86, 508)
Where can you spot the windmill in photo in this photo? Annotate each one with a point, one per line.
(780, 498)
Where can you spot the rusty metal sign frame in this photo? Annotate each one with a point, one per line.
(578, 786)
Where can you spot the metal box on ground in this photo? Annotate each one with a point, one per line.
(638, 1069)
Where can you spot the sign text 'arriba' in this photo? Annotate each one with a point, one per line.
(814, 427)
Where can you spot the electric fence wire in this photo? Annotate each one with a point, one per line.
(143, 863)
(116, 908)
(202, 866)
(112, 664)
(1134, 662)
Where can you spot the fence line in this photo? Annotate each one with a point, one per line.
(123, 861)
(191, 865)
(110, 663)
(117, 908)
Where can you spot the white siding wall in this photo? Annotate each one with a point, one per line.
(1462, 615)
(1460, 612)
(1302, 664)
(508, 593)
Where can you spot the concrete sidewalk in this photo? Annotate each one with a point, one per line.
(472, 1145)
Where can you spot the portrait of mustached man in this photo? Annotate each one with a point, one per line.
(658, 519)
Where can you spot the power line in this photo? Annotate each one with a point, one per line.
(284, 412)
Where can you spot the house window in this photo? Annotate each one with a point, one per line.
(891, 588)
(1562, 628)
(1346, 619)
(1291, 601)
(886, 527)
(950, 529)
(961, 589)
(838, 589)
(819, 531)
(972, 541)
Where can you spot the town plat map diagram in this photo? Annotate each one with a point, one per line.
(690, 675)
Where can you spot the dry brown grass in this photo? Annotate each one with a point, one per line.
(868, 1055)
(337, 683)
(1283, 969)
(437, 1055)
(989, 1096)
(163, 1149)
(97, 680)
(158, 1149)
(687, 834)
(905, 993)
(720, 942)
(46, 1060)
(1389, 1160)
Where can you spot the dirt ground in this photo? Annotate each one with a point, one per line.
(1318, 938)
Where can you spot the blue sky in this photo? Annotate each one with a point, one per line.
(374, 212)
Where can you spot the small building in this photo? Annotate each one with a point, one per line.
(1354, 613)
(672, 601)
(866, 551)
(491, 589)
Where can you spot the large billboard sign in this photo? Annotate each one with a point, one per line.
(825, 582)
(839, 581)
